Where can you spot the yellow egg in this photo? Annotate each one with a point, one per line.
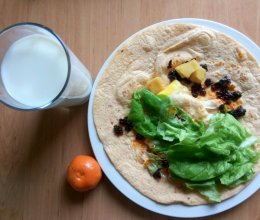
(186, 69)
(155, 85)
(173, 87)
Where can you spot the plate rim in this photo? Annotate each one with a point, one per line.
(173, 210)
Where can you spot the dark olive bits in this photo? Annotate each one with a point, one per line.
(165, 163)
(238, 112)
(118, 130)
(173, 75)
(224, 94)
(128, 125)
(222, 108)
(204, 66)
(139, 137)
(202, 92)
(157, 174)
(236, 95)
(224, 82)
(169, 64)
(196, 89)
(208, 82)
(186, 81)
(222, 89)
(124, 123)
(215, 87)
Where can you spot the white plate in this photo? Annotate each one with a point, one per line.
(174, 210)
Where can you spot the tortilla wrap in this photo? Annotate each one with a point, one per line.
(145, 56)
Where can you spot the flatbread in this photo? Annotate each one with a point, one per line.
(145, 56)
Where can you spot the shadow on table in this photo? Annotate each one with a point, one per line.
(54, 129)
(35, 152)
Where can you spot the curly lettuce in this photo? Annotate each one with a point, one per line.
(205, 157)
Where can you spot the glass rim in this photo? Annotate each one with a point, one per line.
(68, 62)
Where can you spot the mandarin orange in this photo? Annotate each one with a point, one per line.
(83, 173)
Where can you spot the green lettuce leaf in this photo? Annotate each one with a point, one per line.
(146, 128)
(199, 171)
(247, 177)
(151, 102)
(236, 173)
(136, 113)
(207, 189)
(204, 156)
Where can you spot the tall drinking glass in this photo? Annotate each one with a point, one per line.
(38, 71)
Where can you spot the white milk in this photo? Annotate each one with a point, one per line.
(34, 71)
(80, 83)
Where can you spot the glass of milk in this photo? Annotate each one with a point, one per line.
(38, 71)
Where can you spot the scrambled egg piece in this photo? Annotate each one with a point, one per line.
(191, 105)
(155, 85)
(186, 69)
(192, 70)
(174, 87)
